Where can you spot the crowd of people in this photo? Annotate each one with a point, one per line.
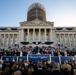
(23, 51)
(38, 68)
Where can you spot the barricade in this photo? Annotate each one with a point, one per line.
(22, 57)
(66, 58)
(43, 57)
(16, 58)
(55, 58)
(9, 57)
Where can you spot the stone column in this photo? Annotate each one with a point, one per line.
(39, 34)
(4, 40)
(51, 37)
(8, 40)
(22, 37)
(50, 34)
(60, 38)
(13, 40)
(28, 35)
(68, 40)
(59, 42)
(73, 39)
(45, 35)
(23, 34)
(64, 40)
(33, 34)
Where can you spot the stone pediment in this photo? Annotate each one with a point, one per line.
(37, 22)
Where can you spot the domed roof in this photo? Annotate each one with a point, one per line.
(36, 5)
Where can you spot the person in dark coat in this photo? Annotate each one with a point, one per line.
(39, 71)
(55, 71)
(31, 64)
(48, 70)
(12, 62)
(5, 64)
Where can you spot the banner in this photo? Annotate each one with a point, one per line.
(35, 57)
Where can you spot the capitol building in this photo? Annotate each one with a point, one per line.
(37, 30)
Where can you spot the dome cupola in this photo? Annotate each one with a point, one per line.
(36, 11)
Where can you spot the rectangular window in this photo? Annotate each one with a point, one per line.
(2, 36)
(11, 36)
(25, 34)
(15, 35)
(6, 35)
(57, 35)
(66, 35)
(61, 35)
(75, 36)
(2, 43)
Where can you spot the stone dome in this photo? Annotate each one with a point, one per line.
(36, 5)
(36, 11)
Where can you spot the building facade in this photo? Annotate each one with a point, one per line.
(37, 29)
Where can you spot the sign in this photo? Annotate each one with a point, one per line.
(35, 57)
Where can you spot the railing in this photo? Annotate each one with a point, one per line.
(43, 57)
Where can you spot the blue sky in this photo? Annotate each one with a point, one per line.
(61, 12)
